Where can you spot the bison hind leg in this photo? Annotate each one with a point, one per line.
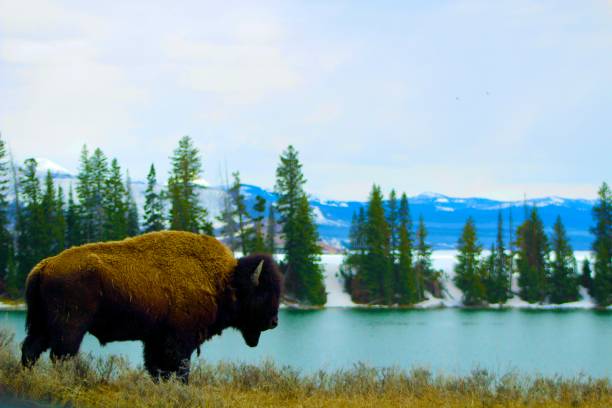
(33, 346)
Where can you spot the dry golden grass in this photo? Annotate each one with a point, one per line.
(89, 382)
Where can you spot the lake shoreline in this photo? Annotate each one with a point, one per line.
(426, 305)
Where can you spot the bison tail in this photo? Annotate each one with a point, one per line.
(35, 320)
(37, 339)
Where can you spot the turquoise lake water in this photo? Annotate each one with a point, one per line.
(451, 341)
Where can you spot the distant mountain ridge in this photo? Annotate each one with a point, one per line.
(444, 215)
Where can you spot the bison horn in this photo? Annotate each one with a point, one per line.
(257, 272)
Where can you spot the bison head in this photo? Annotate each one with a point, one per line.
(258, 284)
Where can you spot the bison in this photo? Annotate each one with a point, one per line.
(171, 290)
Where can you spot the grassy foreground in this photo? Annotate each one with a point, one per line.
(90, 382)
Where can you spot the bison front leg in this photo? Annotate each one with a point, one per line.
(167, 355)
(66, 340)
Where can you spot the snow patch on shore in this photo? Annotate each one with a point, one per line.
(336, 296)
(445, 261)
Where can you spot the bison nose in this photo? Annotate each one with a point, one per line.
(274, 322)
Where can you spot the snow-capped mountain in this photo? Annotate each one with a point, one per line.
(57, 171)
(444, 216)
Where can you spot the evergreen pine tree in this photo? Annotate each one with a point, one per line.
(353, 270)
(6, 239)
(407, 275)
(378, 276)
(85, 199)
(31, 236)
(468, 270)
(131, 217)
(306, 257)
(229, 226)
(240, 214)
(422, 262)
(115, 209)
(532, 261)
(154, 204)
(586, 278)
(59, 230)
(13, 277)
(563, 278)
(498, 269)
(258, 244)
(393, 221)
(186, 212)
(91, 190)
(73, 224)
(602, 247)
(303, 275)
(271, 230)
(48, 210)
(98, 190)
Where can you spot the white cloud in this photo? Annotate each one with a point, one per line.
(464, 98)
(324, 113)
(237, 72)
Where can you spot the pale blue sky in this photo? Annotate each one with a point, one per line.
(465, 98)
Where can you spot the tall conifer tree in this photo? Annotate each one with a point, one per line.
(353, 268)
(115, 209)
(602, 247)
(422, 262)
(6, 239)
(468, 270)
(378, 263)
(393, 221)
(48, 215)
(59, 225)
(303, 275)
(271, 230)
(73, 221)
(564, 277)
(532, 262)
(84, 196)
(306, 257)
(258, 244)
(13, 277)
(229, 227)
(99, 175)
(240, 214)
(407, 283)
(132, 218)
(586, 278)
(31, 235)
(186, 212)
(498, 277)
(154, 204)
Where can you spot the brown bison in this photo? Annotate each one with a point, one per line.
(171, 290)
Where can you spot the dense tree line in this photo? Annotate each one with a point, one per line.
(384, 264)
(388, 261)
(546, 267)
(100, 207)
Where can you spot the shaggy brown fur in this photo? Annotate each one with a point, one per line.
(172, 290)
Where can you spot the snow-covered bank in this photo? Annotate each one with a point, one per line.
(336, 296)
(444, 260)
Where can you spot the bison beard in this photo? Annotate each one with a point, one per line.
(171, 290)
